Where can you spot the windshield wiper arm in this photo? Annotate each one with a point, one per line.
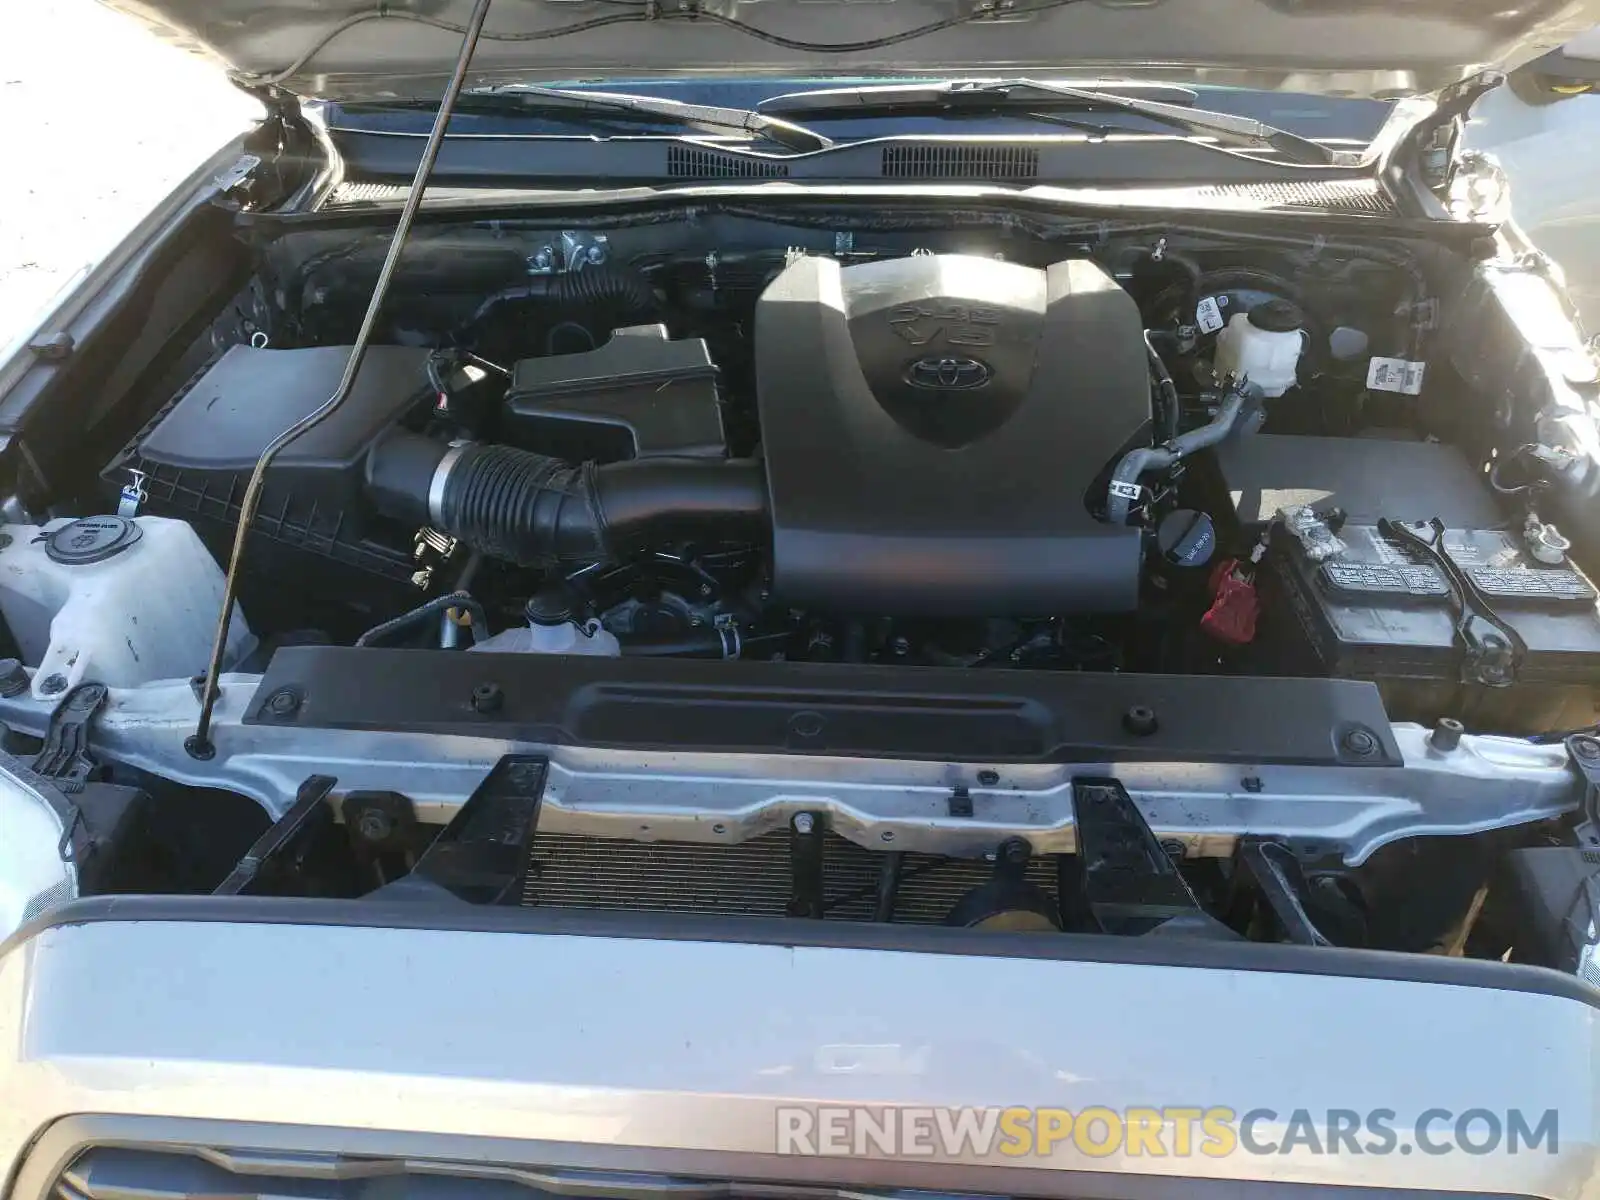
(533, 98)
(999, 95)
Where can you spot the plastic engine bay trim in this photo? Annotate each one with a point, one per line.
(797, 708)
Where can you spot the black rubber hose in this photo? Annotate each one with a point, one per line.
(706, 642)
(622, 292)
(405, 621)
(1167, 419)
(534, 510)
(522, 507)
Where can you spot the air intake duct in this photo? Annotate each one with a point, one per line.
(531, 509)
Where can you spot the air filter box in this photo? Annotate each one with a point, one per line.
(193, 460)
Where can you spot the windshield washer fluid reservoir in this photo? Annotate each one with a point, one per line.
(112, 600)
(1263, 346)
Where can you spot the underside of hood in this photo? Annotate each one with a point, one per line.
(354, 49)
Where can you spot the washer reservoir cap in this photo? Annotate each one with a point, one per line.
(91, 540)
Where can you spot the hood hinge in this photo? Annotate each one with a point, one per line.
(279, 153)
(1437, 136)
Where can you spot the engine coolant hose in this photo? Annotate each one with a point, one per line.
(1124, 486)
(531, 509)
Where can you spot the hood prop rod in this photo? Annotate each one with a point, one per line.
(199, 744)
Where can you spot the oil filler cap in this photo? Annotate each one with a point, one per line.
(91, 540)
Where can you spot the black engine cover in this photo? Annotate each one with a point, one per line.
(932, 427)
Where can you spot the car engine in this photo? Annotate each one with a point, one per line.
(936, 458)
(1124, 459)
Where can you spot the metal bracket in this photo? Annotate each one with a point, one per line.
(573, 250)
(1277, 873)
(1492, 651)
(1457, 99)
(1129, 883)
(287, 832)
(1436, 135)
(806, 879)
(1584, 750)
(960, 804)
(483, 853)
(64, 757)
(226, 181)
(53, 347)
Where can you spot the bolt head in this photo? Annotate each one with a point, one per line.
(374, 825)
(53, 684)
(1140, 720)
(13, 677)
(1586, 747)
(487, 698)
(803, 823)
(1361, 743)
(988, 778)
(283, 703)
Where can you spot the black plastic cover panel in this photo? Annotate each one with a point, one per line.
(932, 426)
(1368, 478)
(639, 395)
(870, 711)
(251, 395)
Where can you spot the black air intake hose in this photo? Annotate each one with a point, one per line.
(623, 293)
(531, 509)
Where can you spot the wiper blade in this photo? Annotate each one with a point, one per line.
(941, 96)
(1001, 95)
(531, 98)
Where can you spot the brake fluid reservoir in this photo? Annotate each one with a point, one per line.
(115, 600)
(1263, 345)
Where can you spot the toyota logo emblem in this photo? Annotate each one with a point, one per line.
(948, 374)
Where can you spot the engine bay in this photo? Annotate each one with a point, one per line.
(977, 452)
(1141, 459)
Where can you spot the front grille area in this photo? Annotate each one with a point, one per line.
(748, 879)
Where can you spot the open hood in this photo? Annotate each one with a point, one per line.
(356, 49)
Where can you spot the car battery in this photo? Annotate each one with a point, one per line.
(1376, 608)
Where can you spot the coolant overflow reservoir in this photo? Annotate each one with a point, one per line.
(551, 630)
(1263, 345)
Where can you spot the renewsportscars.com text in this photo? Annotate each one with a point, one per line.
(1176, 1131)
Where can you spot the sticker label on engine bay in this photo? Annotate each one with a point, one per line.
(1208, 315)
(1395, 375)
